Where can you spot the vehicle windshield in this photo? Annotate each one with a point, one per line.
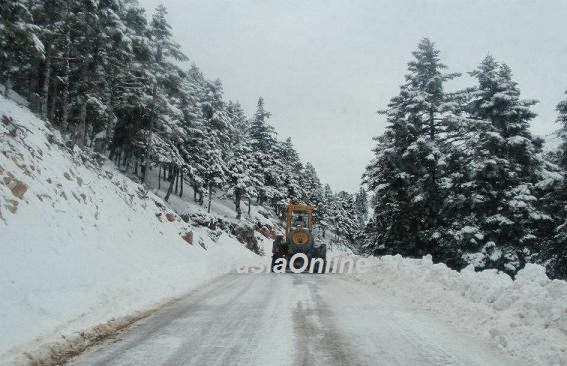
(299, 218)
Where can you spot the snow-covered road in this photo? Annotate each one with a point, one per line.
(290, 319)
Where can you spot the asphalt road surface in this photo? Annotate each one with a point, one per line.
(290, 319)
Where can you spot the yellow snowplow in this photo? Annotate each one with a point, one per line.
(297, 250)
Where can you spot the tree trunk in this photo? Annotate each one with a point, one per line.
(210, 197)
(170, 189)
(176, 179)
(433, 172)
(51, 112)
(46, 81)
(33, 94)
(149, 143)
(181, 189)
(128, 163)
(80, 133)
(8, 82)
(237, 198)
(147, 157)
(66, 73)
(118, 157)
(249, 204)
(159, 178)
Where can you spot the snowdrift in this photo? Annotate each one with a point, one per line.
(525, 317)
(81, 244)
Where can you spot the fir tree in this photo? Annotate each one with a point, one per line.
(19, 43)
(562, 120)
(361, 206)
(263, 142)
(505, 165)
(408, 175)
(262, 134)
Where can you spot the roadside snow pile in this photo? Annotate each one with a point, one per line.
(81, 244)
(525, 317)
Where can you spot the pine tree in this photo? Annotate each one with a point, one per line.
(167, 90)
(292, 169)
(243, 179)
(263, 142)
(554, 253)
(361, 206)
(133, 88)
(408, 175)
(324, 209)
(239, 122)
(50, 18)
(262, 134)
(505, 165)
(110, 52)
(346, 225)
(219, 132)
(562, 120)
(19, 44)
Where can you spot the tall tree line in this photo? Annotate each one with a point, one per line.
(114, 81)
(458, 175)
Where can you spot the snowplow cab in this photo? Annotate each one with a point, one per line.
(299, 215)
(299, 238)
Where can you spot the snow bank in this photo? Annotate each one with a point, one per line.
(81, 244)
(525, 317)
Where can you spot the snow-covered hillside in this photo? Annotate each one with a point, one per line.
(81, 244)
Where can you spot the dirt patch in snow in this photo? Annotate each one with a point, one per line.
(15, 185)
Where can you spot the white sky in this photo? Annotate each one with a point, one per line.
(325, 67)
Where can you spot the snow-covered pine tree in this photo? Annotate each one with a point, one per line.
(50, 18)
(562, 120)
(239, 122)
(243, 177)
(347, 226)
(311, 184)
(310, 190)
(218, 135)
(323, 211)
(195, 146)
(263, 142)
(19, 46)
(408, 174)
(505, 224)
(165, 117)
(554, 250)
(132, 86)
(291, 170)
(554, 253)
(84, 40)
(262, 134)
(110, 52)
(361, 206)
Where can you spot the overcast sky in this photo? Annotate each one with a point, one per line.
(324, 67)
